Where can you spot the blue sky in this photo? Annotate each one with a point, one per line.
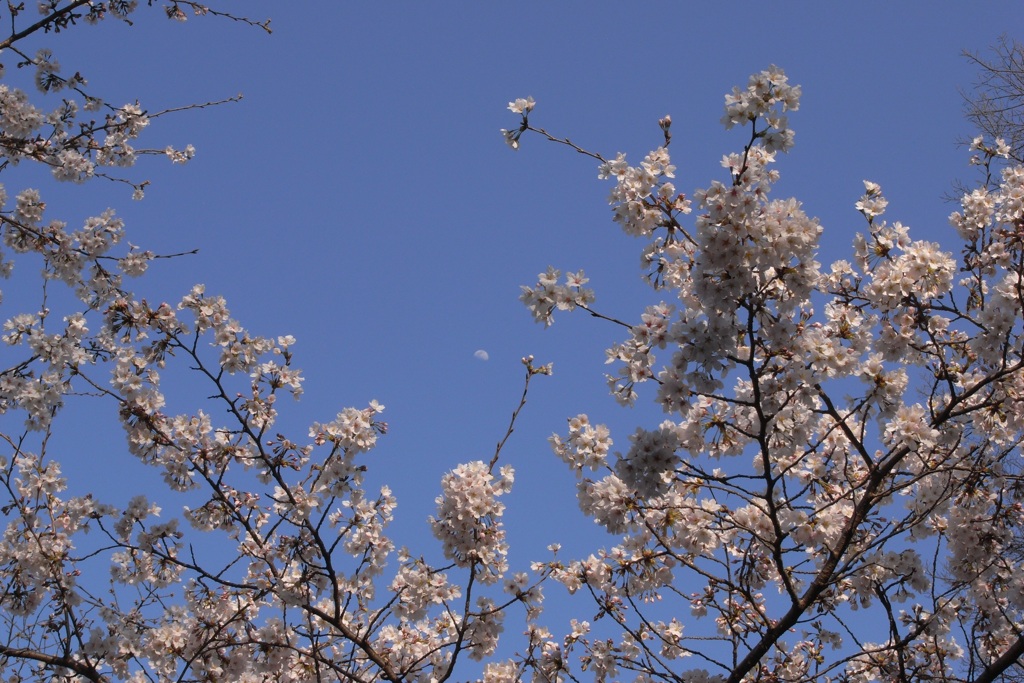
(361, 198)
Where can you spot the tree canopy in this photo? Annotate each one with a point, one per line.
(834, 491)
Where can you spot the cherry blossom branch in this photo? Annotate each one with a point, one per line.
(56, 17)
(200, 9)
(81, 668)
(531, 370)
(602, 316)
(1010, 657)
(566, 142)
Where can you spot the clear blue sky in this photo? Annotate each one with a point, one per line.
(361, 198)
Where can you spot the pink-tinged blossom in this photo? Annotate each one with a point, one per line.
(522, 105)
(649, 465)
(586, 447)
(548, 295)
(468, 521)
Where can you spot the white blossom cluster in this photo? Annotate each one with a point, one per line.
(548, 294)
(468, 521)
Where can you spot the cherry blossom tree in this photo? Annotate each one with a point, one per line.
(835, 491)
(311, 588)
